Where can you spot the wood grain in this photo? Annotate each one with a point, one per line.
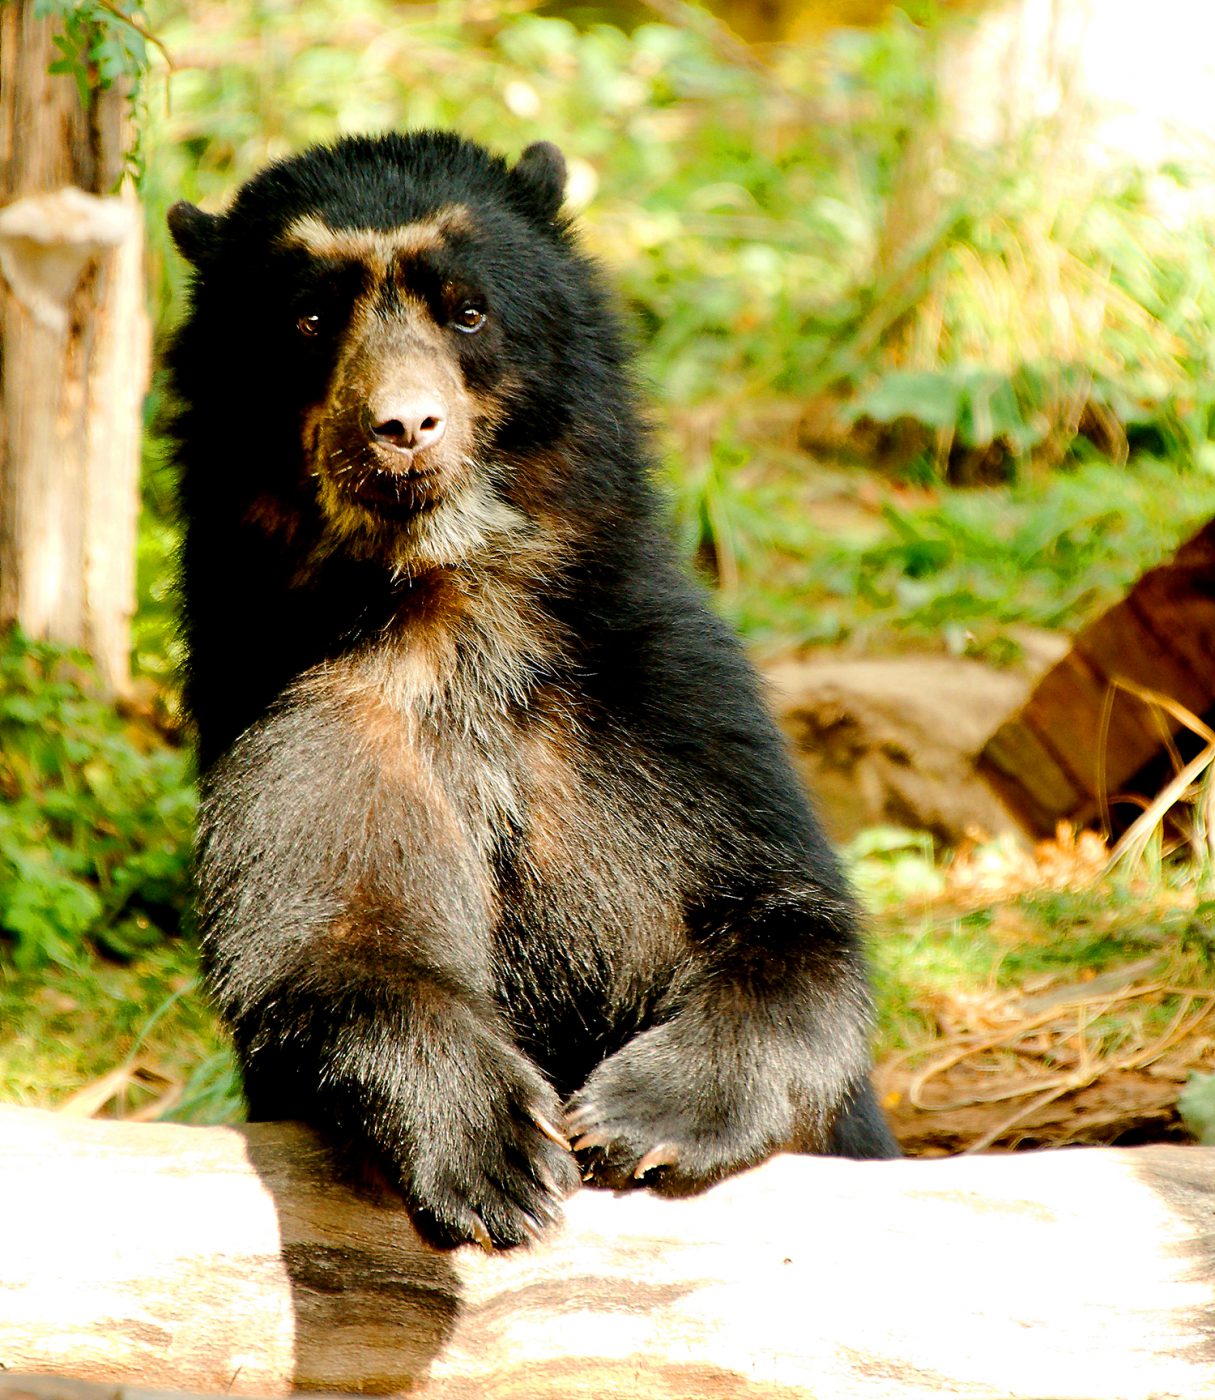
(74, 358)
(1046, 762)
(230, 1260)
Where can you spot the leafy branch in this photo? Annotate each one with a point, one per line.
(100, 43)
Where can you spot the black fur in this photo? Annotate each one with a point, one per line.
(495, 826)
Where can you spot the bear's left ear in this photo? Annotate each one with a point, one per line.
(194, 231)
(541, 168)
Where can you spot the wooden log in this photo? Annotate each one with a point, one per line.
(1046, 762)
(76, 342)
(229, 1260)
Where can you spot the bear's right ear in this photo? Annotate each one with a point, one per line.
(542, 169)
(194, 232)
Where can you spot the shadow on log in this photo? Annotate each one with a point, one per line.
(228, 1260)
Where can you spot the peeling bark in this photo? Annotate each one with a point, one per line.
(74, 355)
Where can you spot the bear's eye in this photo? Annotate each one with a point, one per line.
(470, 317)
(308, 325)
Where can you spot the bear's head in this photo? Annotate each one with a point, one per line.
(401, 330)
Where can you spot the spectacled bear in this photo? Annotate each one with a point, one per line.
(498, 846)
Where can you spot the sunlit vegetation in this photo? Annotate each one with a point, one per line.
(910, 393)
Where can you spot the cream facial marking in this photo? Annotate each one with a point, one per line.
(377, 248)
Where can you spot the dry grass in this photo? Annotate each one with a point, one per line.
(1186, 803)
(1042, 998)
(1030, 1059)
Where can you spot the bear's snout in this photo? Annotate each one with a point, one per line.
(407, 423)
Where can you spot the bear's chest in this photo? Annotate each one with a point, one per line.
(581, 854)
(584, 863)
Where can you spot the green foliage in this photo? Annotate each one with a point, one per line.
(96, 820)
(890, 861)
(1008, 298)
(100, 41)
(157, 650)
(958, 569)
(1058, 329)
(666, 141)
(1197, 1106)
(101, 44)
(973, 404)
(805, 225)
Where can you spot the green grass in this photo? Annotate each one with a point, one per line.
(66, 1027)
(934, 940)
(942, 569)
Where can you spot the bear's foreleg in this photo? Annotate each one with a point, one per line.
(344, 925)
(419, 1079)
(762, 1047)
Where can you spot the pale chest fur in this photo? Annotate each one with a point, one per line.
(576, 844)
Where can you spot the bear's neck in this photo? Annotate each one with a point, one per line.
(463, 643)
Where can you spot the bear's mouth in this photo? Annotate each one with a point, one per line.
(388, 481)
(363, 482)
(391, 491)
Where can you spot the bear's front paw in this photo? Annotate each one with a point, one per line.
(485, 1162)
(651, 1117)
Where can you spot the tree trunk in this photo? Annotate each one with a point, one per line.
(74, 350)
(224, 1260)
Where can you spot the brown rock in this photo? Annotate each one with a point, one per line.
(893, 740)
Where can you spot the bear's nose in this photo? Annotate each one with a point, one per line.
(412, 422)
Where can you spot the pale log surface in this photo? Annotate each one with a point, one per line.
(224, 1260)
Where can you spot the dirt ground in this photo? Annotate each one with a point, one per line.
(1060, 1057)
(1124, 1108)
(892, 741)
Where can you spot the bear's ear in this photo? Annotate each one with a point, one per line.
(194, 232)
(541, 168)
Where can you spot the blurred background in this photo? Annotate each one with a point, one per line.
(923, 297)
